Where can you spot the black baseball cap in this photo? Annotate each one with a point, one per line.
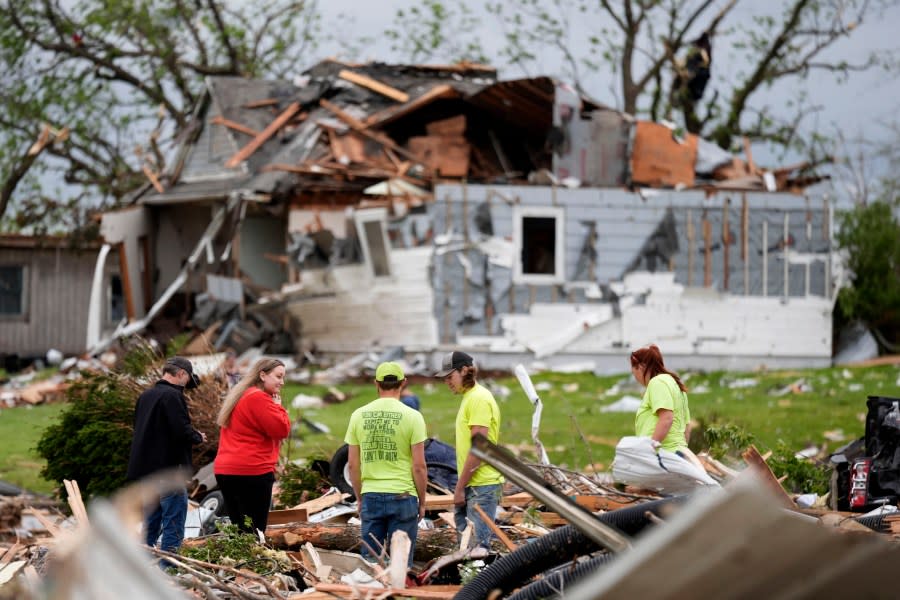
(185, 364)
(453, 361)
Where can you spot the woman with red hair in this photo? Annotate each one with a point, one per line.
(663, 415)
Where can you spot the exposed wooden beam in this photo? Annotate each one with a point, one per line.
(254, 144)
(361, 127)
(220, 120)
(374, 85)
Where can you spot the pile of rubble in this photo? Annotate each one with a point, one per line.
(312, 547)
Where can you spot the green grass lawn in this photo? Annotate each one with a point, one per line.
(574, 429)
(20, 430)
(576, 432)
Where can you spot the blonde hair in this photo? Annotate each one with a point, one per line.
(263, 365)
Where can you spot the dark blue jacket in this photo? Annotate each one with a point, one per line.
(163, 434)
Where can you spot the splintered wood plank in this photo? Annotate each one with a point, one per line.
(387, 115)
(320, 504)
(374, 85)
(757, 465)
(153, 179)
(254, 144)
(262, 103)
(220, 120)
(497, 531)
(361, 127)
(73, 494)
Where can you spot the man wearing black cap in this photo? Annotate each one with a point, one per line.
(163, 436)
(479, 484)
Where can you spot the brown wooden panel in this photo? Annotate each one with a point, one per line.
(658, 159)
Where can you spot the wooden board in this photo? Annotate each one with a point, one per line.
(320, 504)
(374, 85)
(658, 159)
(445, 502)
(595, 503)
(757, 465)
(446, 154)
(290, 515)
(454, 126)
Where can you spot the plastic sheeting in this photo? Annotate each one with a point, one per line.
(638, 463)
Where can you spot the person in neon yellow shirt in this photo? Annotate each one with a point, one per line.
(664, 415)
(386, 459)
(479, 484)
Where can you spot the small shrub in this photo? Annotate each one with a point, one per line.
(721, 439)
(299, 483)
(91, 442)
(235, 548)
(803, 476)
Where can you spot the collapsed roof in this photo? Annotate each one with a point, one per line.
(343, 127)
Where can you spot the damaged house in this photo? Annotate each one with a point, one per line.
(46, 286)
(376, 205)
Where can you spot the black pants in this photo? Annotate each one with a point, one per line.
(247, 496)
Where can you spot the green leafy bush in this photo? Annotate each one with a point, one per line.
(803, 476)
(298, 483)
(234, 548)
(90, 443)
(92, 440)
(720, 439)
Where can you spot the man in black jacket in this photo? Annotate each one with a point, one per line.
(163, 436)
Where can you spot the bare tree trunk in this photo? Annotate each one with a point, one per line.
(430, 543)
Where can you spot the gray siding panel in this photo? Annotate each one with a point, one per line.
(624, 222)
(59, 287)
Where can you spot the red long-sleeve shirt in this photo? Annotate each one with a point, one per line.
(248, 445)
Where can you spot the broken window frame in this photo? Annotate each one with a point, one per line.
(111, 317)
(23, 293)
(362, 218)
(520, 213)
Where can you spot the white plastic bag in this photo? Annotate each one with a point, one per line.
(638, 463)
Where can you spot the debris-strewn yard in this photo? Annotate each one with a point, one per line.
(821, 407)
(574, 512)
(802, 408)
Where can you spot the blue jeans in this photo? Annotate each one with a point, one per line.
(488, 498)
(384, 513)
(169, 516)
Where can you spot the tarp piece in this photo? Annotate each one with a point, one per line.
(638, 463)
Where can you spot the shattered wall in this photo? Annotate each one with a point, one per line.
(728, 242)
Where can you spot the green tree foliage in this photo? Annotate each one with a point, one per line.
(802, 476)
(640, 47)
(870, 235)
(90, 443)
(109, 82)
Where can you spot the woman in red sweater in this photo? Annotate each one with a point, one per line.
(253, 425)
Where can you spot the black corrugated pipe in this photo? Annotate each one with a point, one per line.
(554, 584)
(875, 522)
(557, 547)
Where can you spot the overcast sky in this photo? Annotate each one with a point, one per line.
(860, 106)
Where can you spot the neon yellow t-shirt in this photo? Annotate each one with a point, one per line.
(478, 407)
(663, 392)
(384, 430)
